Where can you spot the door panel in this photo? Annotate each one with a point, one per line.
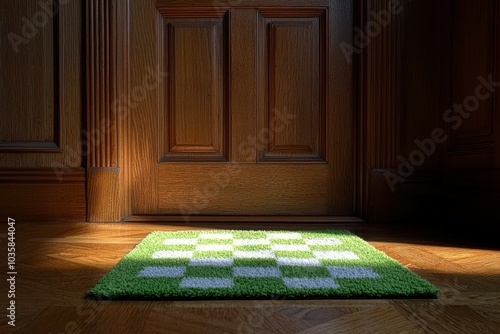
(195, 120)
(243, 189)
(292, 54)
(29, 82)
(241, 125)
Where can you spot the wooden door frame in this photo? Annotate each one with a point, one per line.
(108, 99)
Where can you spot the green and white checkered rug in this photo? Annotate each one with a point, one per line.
(257, 264)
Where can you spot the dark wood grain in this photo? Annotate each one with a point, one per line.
(413, 78)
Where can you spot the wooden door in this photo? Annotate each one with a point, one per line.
(240, 108)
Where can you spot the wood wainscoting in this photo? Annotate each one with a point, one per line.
(42, 176)
(429, 126)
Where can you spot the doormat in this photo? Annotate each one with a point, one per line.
(258, 264)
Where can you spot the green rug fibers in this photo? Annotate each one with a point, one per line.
(258, 264)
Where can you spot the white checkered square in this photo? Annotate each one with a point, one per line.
(162, 272)
(173, 255)
(180, 241)
(323, 242)
(213, 262)
(216, 236)
(310, 283)
(307, 262)
(250, 242)
(335, 255)
(352, 272)
(253, 254)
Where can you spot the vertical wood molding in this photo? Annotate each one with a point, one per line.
(107, 34)
(379, 97)
(360, 12)
(383, 90)
(341, 137)
(101, 83)
(496, 97)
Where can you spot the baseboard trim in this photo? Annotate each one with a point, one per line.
(42, 175)
(437, 198)
(43, 194)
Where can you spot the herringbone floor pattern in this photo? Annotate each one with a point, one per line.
(58, 262)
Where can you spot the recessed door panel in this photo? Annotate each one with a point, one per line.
(194, 108)
(293, 65)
